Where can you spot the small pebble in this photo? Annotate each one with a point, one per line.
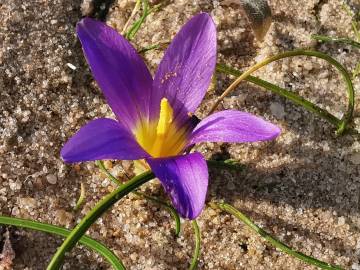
(71, 66)
(277, 109)
(51, 179)
(341, 221)
(108, 164)
(355, 158)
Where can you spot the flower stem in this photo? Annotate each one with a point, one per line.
(273, 241)
(342, 125)
(194, 261)
(101, 207)
(85, 240)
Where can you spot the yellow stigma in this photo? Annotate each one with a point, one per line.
(161, 138)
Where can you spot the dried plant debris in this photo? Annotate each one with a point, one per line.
(7, 255)
(259, 15)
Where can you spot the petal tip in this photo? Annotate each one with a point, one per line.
(86, 20)
(203, 14)
(276, 131)
(82, 23)
(270, 131)
(89, 27)
(64, 153)
(207, 18)
(195, 214)
(185, 179)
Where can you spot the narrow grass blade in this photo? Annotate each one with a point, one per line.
(226, 164)
(342, 126)
(347, 41)
(84, 240)
(196, 255)
(275, 242)
(81, 199)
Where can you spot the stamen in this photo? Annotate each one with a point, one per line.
(163, 126)
(162, 137)
(166, 117)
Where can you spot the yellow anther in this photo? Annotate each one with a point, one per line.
(161, 137)
(166, 117)
(163, 126)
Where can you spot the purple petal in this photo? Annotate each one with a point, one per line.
(233, 126)
(185, 179)
(120, 72)
(102, 139)
(184, 73)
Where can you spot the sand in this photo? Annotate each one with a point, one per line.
(304, 187)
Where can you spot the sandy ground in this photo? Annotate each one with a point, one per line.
(304, 187)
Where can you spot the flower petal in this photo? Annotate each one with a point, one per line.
(233, 126)
(184, 73)
(102, 139)
(185, 179)
(120, 72)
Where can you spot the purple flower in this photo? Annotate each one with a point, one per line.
(153, 115)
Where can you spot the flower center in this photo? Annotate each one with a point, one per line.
(161, 138)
